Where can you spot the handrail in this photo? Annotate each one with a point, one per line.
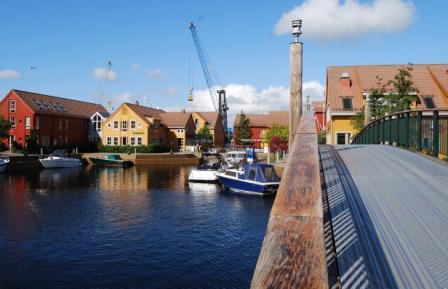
(293, 251)
(407, 111)
(410, 129)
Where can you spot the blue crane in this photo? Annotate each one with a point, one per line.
(218, 96)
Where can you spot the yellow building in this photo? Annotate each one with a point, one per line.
(348, 87)
(214, 124)
(137, 125)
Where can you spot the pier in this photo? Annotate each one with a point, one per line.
(366, 215)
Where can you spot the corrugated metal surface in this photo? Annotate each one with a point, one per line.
(394, 204)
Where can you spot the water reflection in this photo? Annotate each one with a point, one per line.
(100, 227)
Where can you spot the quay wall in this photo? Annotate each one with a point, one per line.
(18, 163)
(152, 159)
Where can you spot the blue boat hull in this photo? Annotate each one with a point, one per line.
(248, 187)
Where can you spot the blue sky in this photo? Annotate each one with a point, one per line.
(148, 43)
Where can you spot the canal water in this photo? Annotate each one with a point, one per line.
(142, 227)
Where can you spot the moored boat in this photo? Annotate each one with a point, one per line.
(111, 160)
(3, 163)
(253, 178)
(60, 159)
(209, 165)
(235, 158)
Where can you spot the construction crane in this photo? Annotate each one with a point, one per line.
(102, 85)
(218, 96)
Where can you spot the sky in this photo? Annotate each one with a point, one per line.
(61, 48)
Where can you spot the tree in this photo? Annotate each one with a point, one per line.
(204, 134)
(404, 91)
(31, 145)
(5, 126)
(278, 144)
(357, 120)
(242, 129)
(281, 131)
(376, 99)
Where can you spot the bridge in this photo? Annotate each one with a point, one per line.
(373, 214)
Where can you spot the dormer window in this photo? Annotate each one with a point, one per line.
(347, 104)
(429, 102)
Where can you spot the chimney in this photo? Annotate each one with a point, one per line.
(345, 80)
(136, 102)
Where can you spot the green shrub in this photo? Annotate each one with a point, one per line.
(16, 147)
(152, 148)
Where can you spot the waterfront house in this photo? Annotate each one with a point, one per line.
(213, 121)
(260, 123)
(96, 123)
(182, 129)
(56, 121)
(136, 125)
(319, 115)
(348, 87)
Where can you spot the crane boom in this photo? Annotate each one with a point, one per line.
(218, 97)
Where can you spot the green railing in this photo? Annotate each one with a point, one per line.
(420, 130)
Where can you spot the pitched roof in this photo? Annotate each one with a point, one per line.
(429, 79)
(175, 119)
(47, 104)
(143, 111)
(211, 117)
(266, 119)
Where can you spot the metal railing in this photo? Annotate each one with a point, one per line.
(423, 130)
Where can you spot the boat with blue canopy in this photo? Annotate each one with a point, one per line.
(252, 178)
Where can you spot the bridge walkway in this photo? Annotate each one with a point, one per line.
(389, 216)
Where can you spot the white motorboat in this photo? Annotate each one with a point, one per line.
(236, 158)
(3, 163)
(60, 159)
(209, 165)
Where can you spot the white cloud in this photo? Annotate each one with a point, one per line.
(101, 73)
(314, 89)
(156, 74)
(328, 20)
(9, 74)
(246, 98)
(136, 66)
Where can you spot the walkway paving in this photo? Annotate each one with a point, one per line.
(389, 210)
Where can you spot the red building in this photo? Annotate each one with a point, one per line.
(319, 115)
(260, 123)
(56, 121)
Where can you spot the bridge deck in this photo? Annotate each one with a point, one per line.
(389, 210)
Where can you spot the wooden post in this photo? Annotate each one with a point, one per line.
(435, 134)
(295, 102)
(419, 130)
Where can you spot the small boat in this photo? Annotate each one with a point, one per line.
(111, 161)
(3, 163)
(235, 158)
(209, 165)
(253, 178)
(60, 159)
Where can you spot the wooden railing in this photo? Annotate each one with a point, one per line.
(293, 252)
(421, 130)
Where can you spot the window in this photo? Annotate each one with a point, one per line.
(115, 124)
(139, 141)
(66, 124)
(27, 122)
(429, 102)
(97, 121)
(124, 141)
(180, 130)
(108, 124)
(115, 140)
(180, 142)
(252, 174)
(343, 138)
(155, 140)
(196, 121)
(109, 141)
(124, 125)
(12, 105)
(132, 141)
(132, 124)
(60, 124)
(347, 104)
(12, 121)
(139, 125)
(37, 122)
